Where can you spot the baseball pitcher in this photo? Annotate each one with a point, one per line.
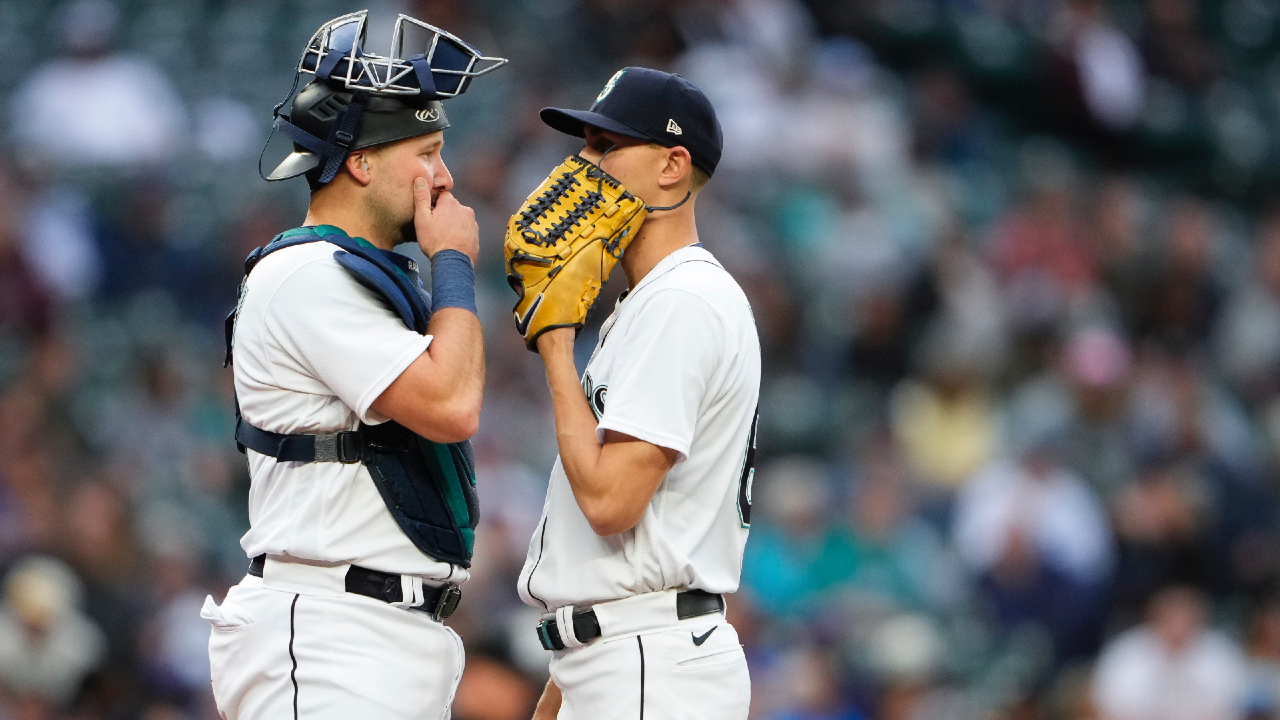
(649, 502)
(357, 392)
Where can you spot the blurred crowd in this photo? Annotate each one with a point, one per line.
(1015, 266)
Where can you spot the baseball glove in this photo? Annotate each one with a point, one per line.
(562, 244)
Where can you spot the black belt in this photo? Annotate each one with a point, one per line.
(439, 602)
(689, 603)
(351, 446)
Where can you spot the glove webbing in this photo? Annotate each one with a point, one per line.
(547, 200)
(589, 203)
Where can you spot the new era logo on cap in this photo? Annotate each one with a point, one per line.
(673, 128)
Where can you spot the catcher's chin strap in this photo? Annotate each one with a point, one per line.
(651, 208)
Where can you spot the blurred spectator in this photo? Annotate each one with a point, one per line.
(890, 322)
(1161, 525)
(59, 243)
(1037, 538)
(1040, 250)
(47, 645)
(883, 555)
(1108, 65)
(95, 106)
(24, 301)
(907, 653)
(1178, 410)
(177, 638)
(948, 123)
(1248, 337)
(143, 251)
(1083, 397)
(946, 421)
(1183, 302)
(1264, 659)
(1175, 47)
(1172, 667)
(814, 691)
(785, 566)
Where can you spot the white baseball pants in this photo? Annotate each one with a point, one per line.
(673, 672)
(277, 655)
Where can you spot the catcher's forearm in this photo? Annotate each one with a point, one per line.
(614, 482)
(438, 396)
(549, 704)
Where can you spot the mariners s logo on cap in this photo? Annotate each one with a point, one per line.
(608, 87)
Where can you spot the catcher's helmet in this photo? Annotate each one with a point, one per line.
(359, 99)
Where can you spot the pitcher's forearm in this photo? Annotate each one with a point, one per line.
(575, 423)
(614, 481)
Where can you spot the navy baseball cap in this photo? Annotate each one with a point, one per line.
(650, 105)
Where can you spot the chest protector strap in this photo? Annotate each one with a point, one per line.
(429, 487)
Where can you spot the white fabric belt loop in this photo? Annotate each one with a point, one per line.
(410, 592)
(305, 578)
(637, 613)
(564, 624)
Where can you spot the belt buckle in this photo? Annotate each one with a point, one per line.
(450, 596)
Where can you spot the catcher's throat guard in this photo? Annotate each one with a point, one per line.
(563, 243)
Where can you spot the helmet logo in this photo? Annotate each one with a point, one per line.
(608, 87)
(428, 115)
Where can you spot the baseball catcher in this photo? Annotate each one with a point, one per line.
(356, 394)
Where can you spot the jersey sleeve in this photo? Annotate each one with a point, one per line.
(666, 360)
(342, 334)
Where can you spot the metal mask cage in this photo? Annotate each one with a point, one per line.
(447, 63)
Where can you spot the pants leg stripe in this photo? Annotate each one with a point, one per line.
(293, 674)
(641, 644)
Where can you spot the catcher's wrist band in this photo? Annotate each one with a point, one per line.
(453, 281)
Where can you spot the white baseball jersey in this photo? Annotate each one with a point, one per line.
(677, 365)
(313, 350)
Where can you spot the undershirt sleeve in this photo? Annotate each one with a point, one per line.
(665, 362)
(342, 333)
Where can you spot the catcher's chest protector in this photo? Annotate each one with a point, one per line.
(429, 487)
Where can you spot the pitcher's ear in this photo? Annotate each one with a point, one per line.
(679, 166)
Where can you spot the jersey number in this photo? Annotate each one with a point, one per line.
(748, 475)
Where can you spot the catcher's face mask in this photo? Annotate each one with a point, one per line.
(442, 68)
(360, 99)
